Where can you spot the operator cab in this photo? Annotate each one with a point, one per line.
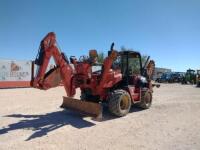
(130, 65)
(190, 71)
(129, 62)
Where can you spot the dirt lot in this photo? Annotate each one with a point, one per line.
(32, 119)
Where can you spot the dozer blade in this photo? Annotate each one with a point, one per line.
(89, 108)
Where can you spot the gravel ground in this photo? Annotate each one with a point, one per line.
(32, 119)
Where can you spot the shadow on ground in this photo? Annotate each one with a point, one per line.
(42, 124)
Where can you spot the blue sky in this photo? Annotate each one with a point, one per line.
(167, 30)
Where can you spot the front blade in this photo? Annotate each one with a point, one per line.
(90, 108)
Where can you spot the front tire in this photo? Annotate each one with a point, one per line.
(119, 103)
(146, 100)
(198, 84)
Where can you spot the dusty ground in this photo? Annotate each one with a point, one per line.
(32, 119)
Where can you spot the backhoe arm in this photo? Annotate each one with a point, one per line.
(45, 80)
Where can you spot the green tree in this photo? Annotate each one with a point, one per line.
(101, 57)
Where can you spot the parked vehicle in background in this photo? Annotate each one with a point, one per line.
(176, 77)
(163, 78)
(170, 77)
(190, 77)
(198, 78)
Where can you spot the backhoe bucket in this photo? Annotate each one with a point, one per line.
(85, 107)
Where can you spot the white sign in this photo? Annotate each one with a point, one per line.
(11, 70)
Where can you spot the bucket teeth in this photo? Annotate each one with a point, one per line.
(89, 108)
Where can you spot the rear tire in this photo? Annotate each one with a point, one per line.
(198, 84)
(146, 100)
(119, 103)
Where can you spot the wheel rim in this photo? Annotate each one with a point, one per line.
(148, 99)
(124, 104)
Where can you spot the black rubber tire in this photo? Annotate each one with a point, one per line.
(119, 103)
(198, 83)
(146, 100)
